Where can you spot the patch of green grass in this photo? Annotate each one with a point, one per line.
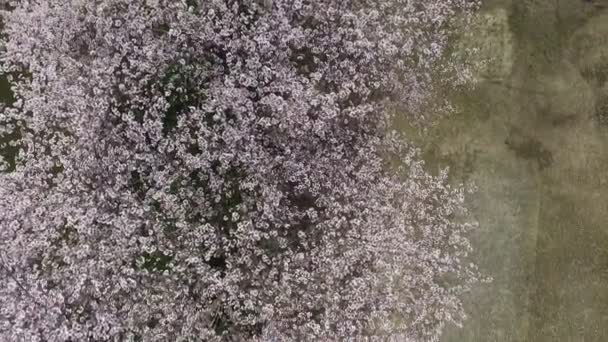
(154, 262)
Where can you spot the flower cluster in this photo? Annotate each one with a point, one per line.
(220, 170)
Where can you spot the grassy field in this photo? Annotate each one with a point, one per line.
(533, 136)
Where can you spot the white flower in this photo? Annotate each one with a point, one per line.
(221, 168)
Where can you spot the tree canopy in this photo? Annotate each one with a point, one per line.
(224, 170)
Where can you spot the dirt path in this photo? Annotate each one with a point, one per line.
(533, 136)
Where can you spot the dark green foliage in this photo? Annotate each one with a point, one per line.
(138, 185)
(155, 262)
(192, 3)
(6, 94)
(185, 88)
(7, 151)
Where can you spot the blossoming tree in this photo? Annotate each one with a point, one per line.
(223, 170)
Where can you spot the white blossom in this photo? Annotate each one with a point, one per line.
(220, 170)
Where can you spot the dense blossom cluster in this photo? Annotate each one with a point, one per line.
(221, 170)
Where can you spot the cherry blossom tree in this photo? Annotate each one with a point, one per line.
(224, 170)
